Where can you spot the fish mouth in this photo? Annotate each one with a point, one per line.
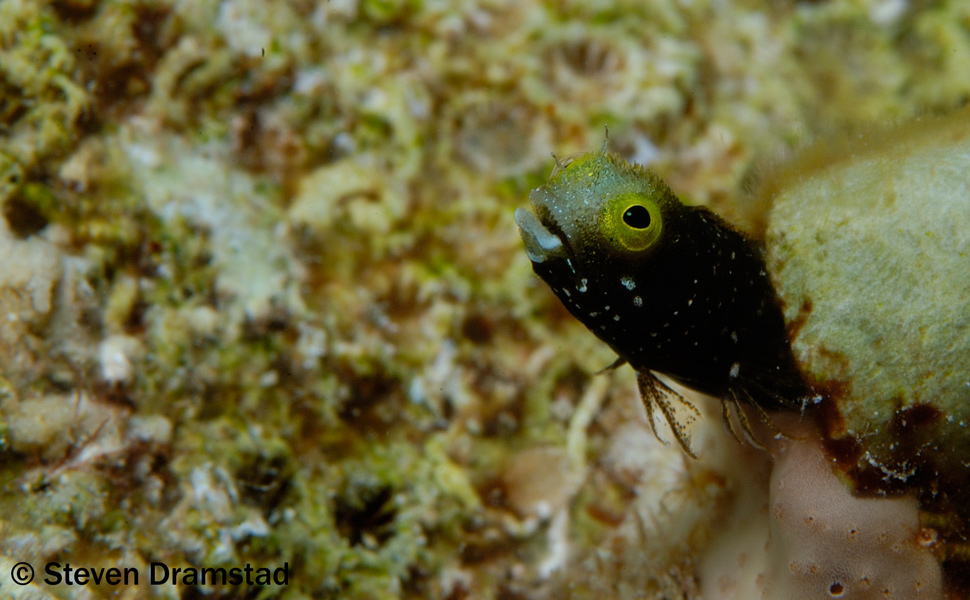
(541, 243)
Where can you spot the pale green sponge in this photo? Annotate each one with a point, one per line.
(869, 247)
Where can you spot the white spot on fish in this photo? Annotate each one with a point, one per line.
(607, 307)
(628, 283)
(735, 369)
(565, 291)
(594, 314)
(616, 317)
(734, 337)
(582, 285)
(637, 301)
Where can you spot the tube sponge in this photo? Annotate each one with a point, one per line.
(796, 530)
(826, 543)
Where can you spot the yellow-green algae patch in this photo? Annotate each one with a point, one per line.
(205, 370)
(41, 100)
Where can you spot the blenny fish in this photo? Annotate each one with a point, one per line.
(673, 289)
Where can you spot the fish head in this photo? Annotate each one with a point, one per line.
(596, 220)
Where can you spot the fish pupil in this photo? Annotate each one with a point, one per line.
(637, 217)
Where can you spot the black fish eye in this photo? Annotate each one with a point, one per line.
(637, 217)
(631, 222)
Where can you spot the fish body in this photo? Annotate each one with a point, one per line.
(673, 289)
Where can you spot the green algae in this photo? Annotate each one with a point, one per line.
(41, 99)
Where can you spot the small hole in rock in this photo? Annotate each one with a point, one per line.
(24, 220)
(366, 517)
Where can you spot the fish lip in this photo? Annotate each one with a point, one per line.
(541, 243)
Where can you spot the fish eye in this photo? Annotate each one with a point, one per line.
(631, 222)
(637, 217)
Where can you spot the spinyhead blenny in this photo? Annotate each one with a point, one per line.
(673, 289)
